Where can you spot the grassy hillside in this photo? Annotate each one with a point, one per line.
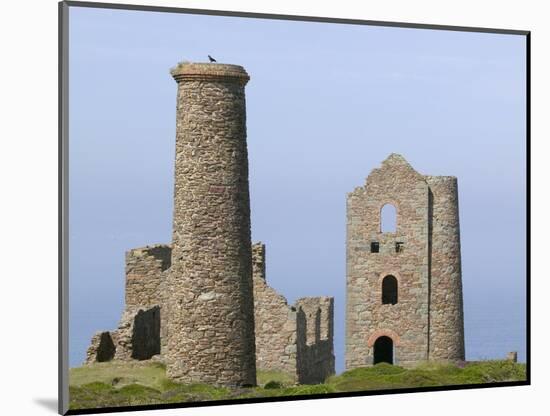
(137, 383)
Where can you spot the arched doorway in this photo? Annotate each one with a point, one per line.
(383, 350)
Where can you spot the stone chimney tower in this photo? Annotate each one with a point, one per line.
(210, 316)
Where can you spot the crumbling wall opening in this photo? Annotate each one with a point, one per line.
(274, 321)
(383, 350)
(146, 334)
(106, 349)
(388, 219)
(315, 353)
(389, 290)
(318, 325)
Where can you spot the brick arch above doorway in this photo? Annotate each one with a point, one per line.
(383, 332)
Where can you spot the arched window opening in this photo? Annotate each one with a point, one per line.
(389, 290)
(383, 350)
(388, 219)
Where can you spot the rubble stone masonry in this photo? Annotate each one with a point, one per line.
(138, 335)
(422, 255)
(275, 322)
(298, 339)
(210, 327)
(446, 305)
(315, 333)
(144, 267)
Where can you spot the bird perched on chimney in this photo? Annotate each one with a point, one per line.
(211, 59)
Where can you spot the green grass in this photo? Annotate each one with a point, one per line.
(267, 376)
(136, 383)
(132, 383)
(385, 376)
(119, 374)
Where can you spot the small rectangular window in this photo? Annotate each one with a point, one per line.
(398, 247)
(374, 247)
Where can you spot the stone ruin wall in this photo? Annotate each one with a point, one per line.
(275, 321)
(315, 335)
(102, 347)
(138, 333)
(144, 277)
(297, 340)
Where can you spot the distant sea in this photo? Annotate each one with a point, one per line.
(493, 327)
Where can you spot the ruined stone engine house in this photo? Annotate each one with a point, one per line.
(201, 304)
(404, 283)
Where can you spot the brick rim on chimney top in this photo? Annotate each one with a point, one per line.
(188, 71)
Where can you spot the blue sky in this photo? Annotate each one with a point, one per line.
(325, 105)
